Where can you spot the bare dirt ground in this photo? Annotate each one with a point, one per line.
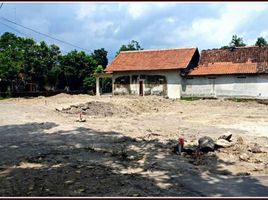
(125, 147)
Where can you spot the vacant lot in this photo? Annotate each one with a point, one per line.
(124, 148)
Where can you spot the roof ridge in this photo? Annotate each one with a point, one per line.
(244, 47)
(145, 50)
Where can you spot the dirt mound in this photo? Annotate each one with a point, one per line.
(97, 108)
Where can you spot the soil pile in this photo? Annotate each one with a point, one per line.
(97, 108)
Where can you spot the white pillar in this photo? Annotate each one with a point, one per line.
(112, 85)
(97, 86)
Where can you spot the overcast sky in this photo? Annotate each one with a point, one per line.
(153, 25)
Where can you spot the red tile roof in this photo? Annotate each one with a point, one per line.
(224, 68)
(152, 60)
(240, 60)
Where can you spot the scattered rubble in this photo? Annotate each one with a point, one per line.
(206, 152)
(122, 148)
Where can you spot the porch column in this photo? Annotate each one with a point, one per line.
(98, 86)
(112, 85)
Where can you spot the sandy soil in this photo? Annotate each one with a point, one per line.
(125, 146)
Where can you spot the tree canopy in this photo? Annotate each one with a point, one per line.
(235, 42)
(25, 61)
(131, 46)
(261, 42)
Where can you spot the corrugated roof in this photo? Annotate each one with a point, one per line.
(152, 60)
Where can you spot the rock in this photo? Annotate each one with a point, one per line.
(257, 169)
(243, 174)
(69, 182)
(255, 149)
(223, 143)
(244, 157)
(81, 120)
(206, 144)
(226, 137)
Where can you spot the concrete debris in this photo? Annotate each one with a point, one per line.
(223, 143)
(206, 144)
(226, 137)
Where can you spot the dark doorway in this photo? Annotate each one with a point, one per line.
(106, 85)
(141, 88)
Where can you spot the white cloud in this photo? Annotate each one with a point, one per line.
(90, 10)
(170, 20)
(154, 25)
(98, 28)
(218, 31)
(85, 10)
(139, 10)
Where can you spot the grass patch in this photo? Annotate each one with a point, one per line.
(236, 99)
(191, 98)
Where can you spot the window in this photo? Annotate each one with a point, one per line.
(122, 80)
(211, 77)
(241, 77)
(142, 76)
(134, 79)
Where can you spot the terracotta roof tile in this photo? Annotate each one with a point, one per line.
(152, 60)
(224, 68)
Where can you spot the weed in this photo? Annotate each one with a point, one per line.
(191, 98)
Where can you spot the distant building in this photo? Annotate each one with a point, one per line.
(235, 72)
(151, 72)
(238, 72)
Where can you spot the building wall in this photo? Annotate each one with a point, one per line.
(255, 86)
(170, 83)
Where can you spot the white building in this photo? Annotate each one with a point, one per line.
(240, 72)
(237, 72)
(150, 72)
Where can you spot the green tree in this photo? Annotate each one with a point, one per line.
(132, 46)
(235, 42)
(76, 67)
(11, 57)
(261, 42)
(52, 77)
(100, 56)
(24, 59)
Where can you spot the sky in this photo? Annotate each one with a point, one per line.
(156, 25)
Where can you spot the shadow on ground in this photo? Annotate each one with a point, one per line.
(85, 162)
